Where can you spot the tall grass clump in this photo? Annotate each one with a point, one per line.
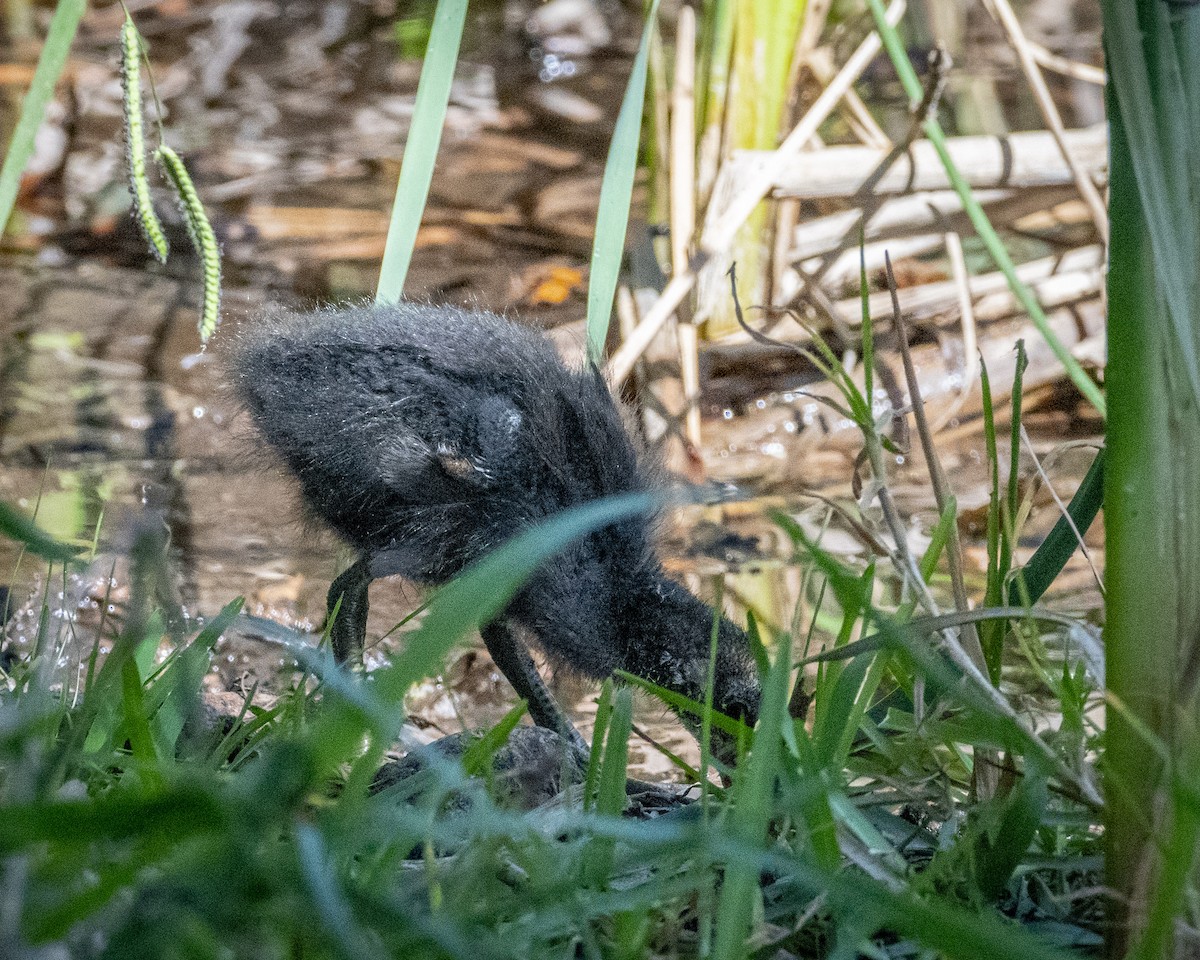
(1152, 484)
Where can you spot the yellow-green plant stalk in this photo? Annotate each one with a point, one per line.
(135, 142)
(764, 37)
(203, 238)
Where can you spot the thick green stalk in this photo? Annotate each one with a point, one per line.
(1152, 483)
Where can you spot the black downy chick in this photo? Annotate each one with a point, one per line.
(428, 436)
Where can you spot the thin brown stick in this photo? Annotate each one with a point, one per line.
(1062, 509)
(941, 487)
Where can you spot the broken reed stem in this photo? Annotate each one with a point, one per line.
(941, 488)
(970, 330)
(1051, 61)
(865, 197)
(719, 238)
(624, 358)
(1002, 11)
(683, 210)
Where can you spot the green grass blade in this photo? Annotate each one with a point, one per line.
(176, 689)
(17, 526)
(421, 147)
(752, 811)
(120, 814)
(1008, 515)
(63, 25)
(477, 758)
(1150, 94)
(868, 332)
(990, 634)
(939, 536)
(329, 905)
(1053, 553)
(611, 796)
(616, 191)
(603, 713)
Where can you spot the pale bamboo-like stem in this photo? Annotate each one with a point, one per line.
(1049, 60)
(719, 237)
(858, 114)
(958, 268)
(1030, 158)
(683, 208)
(622, 361)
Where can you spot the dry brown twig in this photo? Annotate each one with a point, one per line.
(942, 494)
(1003, 13)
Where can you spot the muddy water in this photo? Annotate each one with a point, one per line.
(113, 423)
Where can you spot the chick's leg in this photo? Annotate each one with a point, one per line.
(513, 659)
(349, 628)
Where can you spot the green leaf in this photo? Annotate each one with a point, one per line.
(67, 14)
(17, 526)
(1053, 553)
(477, 758)
(421, 147)
(616, 192)
(754, 789)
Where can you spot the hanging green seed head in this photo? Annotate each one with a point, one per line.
(135, 144)
(203, 237)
